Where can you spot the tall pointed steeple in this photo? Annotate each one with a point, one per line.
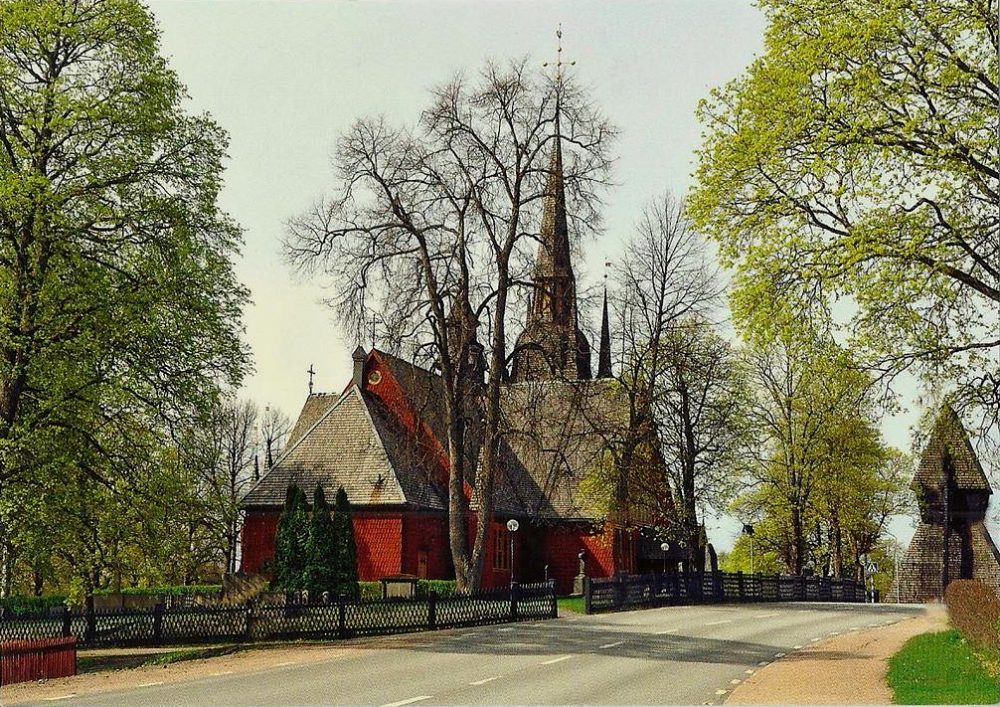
(552, 345)
(604, 358)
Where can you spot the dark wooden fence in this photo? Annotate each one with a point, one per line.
(164, 625)
(22, 661)
(649, 590)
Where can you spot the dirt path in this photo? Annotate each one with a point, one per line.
(846, 670)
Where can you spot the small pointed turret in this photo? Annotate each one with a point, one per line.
(604, 358)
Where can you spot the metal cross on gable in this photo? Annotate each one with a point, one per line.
(558, 64)
(311, 373)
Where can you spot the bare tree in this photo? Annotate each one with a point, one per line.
(435, 224)
(677, 373)
(275, 426)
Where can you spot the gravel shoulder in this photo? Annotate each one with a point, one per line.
(848, 669)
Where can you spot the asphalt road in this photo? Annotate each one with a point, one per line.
(677, 655)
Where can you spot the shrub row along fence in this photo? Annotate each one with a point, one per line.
(22, 661)
(164, 625)
(650, 590)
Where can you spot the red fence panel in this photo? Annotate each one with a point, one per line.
(22, 661)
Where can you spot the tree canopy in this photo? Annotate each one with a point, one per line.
(119, 308)
(856, 161)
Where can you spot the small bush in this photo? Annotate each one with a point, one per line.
(974, 610)
(444, 587)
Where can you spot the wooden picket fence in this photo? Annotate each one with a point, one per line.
(163, 625)
(651, 590)
(23, 661)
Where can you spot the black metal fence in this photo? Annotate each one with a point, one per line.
(163, 625)
(650, 590)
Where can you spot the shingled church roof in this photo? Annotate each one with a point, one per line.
(356, 443)
(950, 440)
(555, 436)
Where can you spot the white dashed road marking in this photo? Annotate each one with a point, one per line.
(751, 671)
(61, 697)
(813, 639)
(612, 645)
(762, 663)
(556, 660)
(150, 684)
(764, 616)
(798, 647)
(486, 680)
(669, 630)
(716, 623)
(224, 672)
(282, 665)
(721, 692)
(421, 698)
(779, 655)
(735, 681)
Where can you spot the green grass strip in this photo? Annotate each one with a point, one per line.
(571, 604)
(940, 668)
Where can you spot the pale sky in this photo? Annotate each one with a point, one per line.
(285, 78)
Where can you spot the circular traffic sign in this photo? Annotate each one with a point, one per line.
(512, 525)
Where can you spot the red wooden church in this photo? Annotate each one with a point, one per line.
(383, 439)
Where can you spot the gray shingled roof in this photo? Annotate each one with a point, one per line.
(557, 434)
(949, 438)
(341, 448)
(316, 404)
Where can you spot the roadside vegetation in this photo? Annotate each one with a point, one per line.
(938, 669)
(960, 666)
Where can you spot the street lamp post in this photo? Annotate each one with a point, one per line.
(512, 526)
(665, 547)
(748, 530)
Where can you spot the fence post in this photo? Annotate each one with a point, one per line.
(554, 613)
(67, 622)
(90, 633)
(341, 616)
(619, 591)
(739, 586)
(249, 621)
(588, 596)
(515, 592)
(158, 623)
(432, 598)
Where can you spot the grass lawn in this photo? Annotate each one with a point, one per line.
(940, 668)
(570, 604)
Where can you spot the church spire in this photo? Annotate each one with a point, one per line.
(604, 358)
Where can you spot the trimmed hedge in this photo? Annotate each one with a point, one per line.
(444, 587)
(31, 605)
(974, 610)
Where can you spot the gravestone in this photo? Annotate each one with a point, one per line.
(951, 541)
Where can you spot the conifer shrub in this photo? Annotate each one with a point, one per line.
(290, 542)
(974, 610)
(321, 546)
(346, 551)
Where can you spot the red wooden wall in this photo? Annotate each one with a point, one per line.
(23, 661)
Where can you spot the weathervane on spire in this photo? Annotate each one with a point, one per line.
(559, 63)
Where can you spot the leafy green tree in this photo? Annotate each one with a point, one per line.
(346, 551)
(738, 559)
(321, 549)
(119, 307)
(857, 160)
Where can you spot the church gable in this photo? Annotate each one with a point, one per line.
(342, 448)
